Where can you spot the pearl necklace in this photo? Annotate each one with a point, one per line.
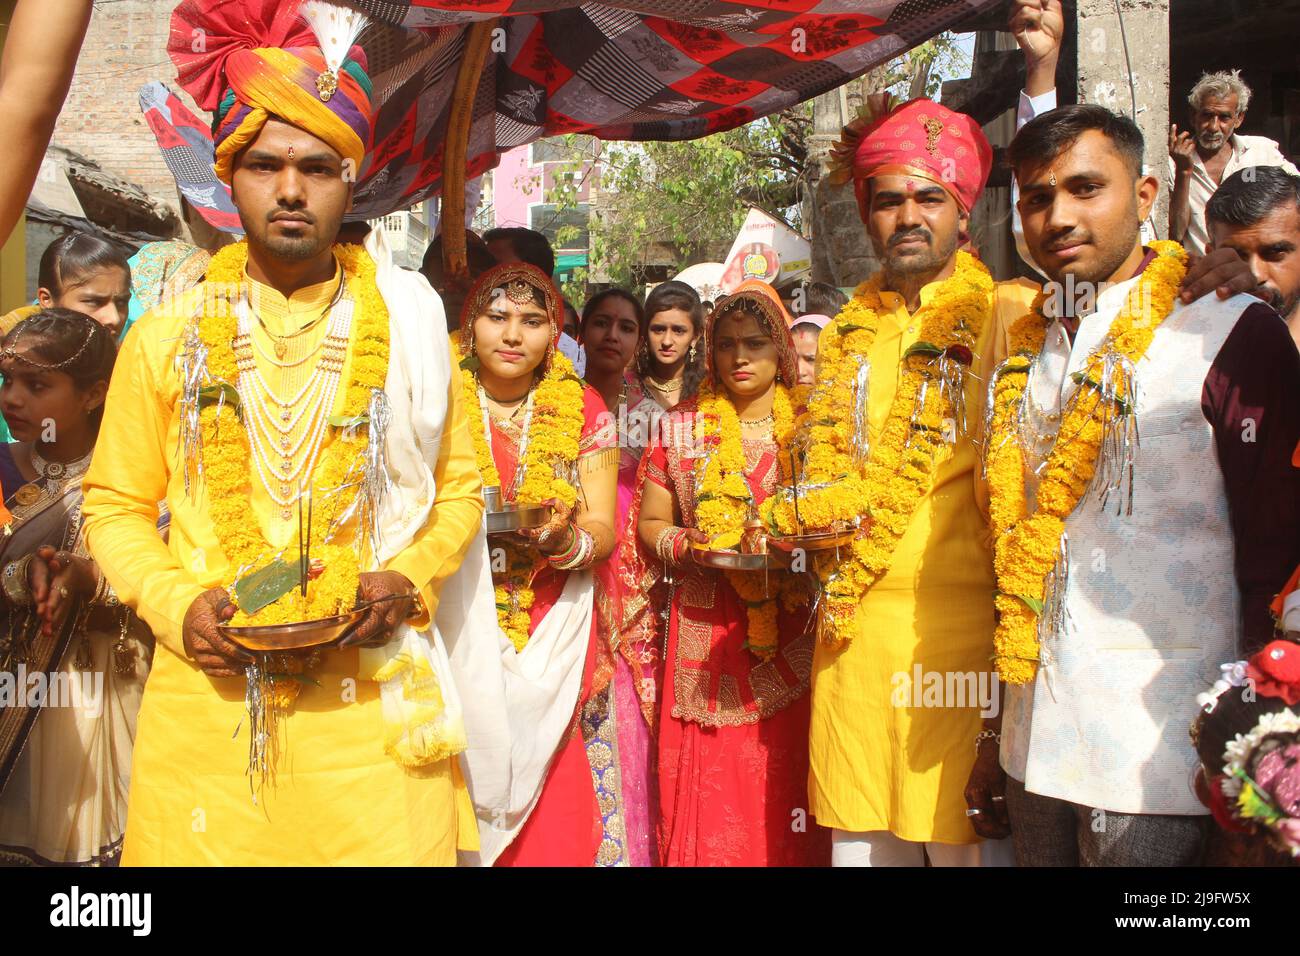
(270, 440)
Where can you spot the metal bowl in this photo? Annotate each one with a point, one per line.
(814, 541)
(512, 518)
(736, 560)
(293, 637)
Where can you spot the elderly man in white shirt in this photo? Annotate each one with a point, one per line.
(1200, 160)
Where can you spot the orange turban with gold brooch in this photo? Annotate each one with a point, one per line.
(249, 60)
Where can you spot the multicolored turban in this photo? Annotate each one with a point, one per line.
(920, 139)
(249, 60)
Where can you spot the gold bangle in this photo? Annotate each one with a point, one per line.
(666, 544)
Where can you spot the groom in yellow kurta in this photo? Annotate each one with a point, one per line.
(347, 788)
(896, 708)
(889, 759)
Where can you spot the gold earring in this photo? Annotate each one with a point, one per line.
(692, 355)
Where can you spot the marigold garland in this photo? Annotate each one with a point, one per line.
(896, 478)
(1026, 545)
(227, 457)
(724, 503)
(550, 462)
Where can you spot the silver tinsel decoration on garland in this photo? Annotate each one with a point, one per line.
(1120, 441)
(375, 483)
(264, 718)
(952, 390)
(860, 446)
(192, 365)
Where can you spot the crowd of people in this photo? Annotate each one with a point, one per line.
(952, 571)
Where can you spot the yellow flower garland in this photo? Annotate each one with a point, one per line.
(724, 503)
(894, 480)
(1026, 545)
(227, 457)
(549, 460)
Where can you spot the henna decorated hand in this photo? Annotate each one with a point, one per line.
(216, 655)
(377, 627)
(551, 538)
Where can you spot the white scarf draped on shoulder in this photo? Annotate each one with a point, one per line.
(459, 686)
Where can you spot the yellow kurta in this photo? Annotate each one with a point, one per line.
(338, 799)
(874, 765)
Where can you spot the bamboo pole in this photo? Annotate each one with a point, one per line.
(455, 262)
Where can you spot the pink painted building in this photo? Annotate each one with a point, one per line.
(515, 194)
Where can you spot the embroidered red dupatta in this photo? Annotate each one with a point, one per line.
(733, 730)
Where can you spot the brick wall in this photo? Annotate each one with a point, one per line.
(125, 48)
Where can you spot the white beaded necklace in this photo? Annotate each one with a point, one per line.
(273, 452)
(518, 477)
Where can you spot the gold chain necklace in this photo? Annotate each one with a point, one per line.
(280, 343)
(664, 388)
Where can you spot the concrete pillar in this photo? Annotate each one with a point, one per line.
(842, 253)
(1123, 56)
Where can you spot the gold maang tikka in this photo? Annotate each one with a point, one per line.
(519, 292)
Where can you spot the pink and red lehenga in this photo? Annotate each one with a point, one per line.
(732, 747)
(638, 661)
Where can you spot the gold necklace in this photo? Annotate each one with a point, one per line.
(50, 475)
(280, 343)
(664, 388)
(763, 422)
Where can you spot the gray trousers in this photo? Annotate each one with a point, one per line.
(1052, 832)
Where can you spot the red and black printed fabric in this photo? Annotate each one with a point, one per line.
(186, 144)
(636, 70)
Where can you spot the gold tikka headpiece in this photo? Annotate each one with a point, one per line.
(519, 292)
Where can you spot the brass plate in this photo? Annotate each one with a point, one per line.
(292, 637)
(736, 561)
(816, 541)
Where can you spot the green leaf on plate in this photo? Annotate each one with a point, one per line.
(265, 586)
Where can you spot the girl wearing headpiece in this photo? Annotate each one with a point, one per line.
(65, 755)
(733, 714)
(545, 438)
(81, 272)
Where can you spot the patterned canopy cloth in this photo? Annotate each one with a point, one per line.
(924, 140)
(638, 70)
(249, 60)
(186, 144)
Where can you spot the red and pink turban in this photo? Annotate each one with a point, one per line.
(920, 139)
